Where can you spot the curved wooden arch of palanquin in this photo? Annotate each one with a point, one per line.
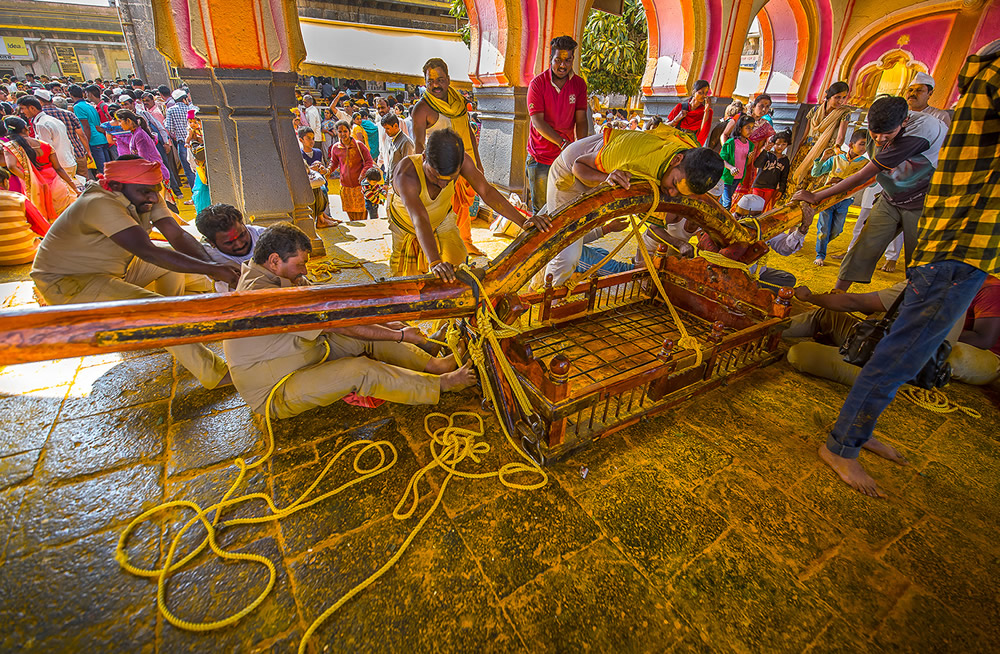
(85, 329)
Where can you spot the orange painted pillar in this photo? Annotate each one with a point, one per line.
(239, 59)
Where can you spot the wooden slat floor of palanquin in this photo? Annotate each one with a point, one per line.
(606, 347)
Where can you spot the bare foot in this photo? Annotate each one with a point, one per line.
(851, 472)
(818, 261)
(473, 250)
(888, 266)
(885, 451)
(839, 257)
(323, 222)
(459, 379)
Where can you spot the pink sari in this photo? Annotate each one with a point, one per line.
(42, 185)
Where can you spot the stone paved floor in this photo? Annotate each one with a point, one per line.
(711, 528)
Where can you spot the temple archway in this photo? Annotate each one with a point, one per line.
(793, 41)
(679, 34)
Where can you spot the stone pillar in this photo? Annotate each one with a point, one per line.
(252, 154)
(239, 58)
(137, 25)
(503, 142)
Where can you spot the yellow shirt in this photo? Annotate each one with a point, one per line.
(642, 153)
(257, 363)
(79, 241)
(359, 134)
(17, 241)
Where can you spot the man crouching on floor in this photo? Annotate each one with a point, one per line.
(326, 365)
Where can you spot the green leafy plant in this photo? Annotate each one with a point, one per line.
(614, 49)
(458, 11)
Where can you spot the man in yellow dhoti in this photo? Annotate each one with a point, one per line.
(442, 107)
(425, 236)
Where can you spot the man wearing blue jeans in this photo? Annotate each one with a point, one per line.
(177, 125)
(958, 244)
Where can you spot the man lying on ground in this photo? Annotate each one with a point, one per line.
(228, 238)
(326, 365)
(975, 339)
(99, 250)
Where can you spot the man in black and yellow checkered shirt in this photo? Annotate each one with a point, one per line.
(958, 245)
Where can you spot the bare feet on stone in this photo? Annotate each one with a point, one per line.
(459, 379)
(885, 451)
(851, 472)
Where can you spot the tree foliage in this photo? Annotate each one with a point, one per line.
(613, 52)
(614, 49)
(458, 11)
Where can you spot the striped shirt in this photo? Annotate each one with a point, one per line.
(177, 121)
(72, 124)
(961, 218)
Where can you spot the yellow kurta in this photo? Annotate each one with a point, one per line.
(407, 256)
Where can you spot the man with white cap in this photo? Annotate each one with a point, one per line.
(177, 125)
(74, 130)
(919, 92)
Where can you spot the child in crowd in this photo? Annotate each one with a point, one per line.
(374, 189)
(736, 158)
(735, 108)
(772, 166)
(837, 167)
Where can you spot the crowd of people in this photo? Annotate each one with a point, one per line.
(933, 188)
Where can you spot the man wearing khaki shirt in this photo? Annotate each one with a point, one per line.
(325, 365)
(99, 250)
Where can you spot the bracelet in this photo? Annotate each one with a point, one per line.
(400, 336)
(433, 263)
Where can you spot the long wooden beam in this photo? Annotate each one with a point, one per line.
(86, 329)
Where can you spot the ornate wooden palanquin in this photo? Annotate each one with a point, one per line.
(603, 358)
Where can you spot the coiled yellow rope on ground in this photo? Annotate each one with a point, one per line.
(936, 401)
(450, 446)
(322, 272)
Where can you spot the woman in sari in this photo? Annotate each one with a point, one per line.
(763, 129)
(36, 169)
(352, 158)
(694, 115)
(827, 128)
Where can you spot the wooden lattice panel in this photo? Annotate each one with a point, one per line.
(608, 347)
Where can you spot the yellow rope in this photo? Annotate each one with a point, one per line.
(723, 261)
(321, 272)
(936, 401)
(450, 446)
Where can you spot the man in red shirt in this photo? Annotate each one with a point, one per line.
(557, 108)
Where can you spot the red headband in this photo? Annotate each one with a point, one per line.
(132, 171)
